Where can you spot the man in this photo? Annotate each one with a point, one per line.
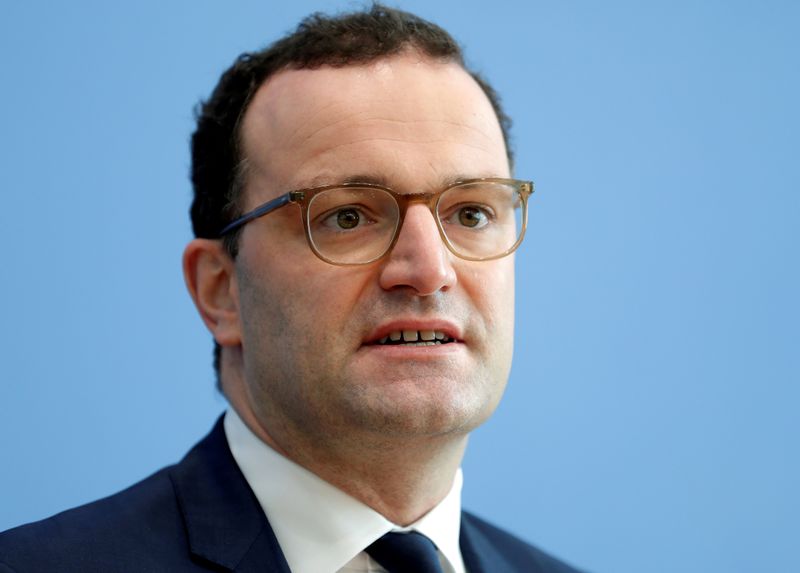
(355, 222)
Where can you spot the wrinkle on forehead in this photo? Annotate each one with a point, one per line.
(301, 118)
(376, 121)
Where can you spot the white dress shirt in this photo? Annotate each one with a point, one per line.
(320, 528)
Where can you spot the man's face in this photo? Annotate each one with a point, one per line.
(313, 365)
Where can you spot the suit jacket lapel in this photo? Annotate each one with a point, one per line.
(226, 526)
(479, 553)
(223, 519)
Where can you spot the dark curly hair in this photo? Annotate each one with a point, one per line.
(354, 38)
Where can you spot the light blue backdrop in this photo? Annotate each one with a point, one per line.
(651, 423)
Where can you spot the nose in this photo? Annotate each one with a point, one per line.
(419, 259)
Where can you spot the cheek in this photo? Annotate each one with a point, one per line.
(300, 299)
(493, 297)
(491, 288)
(504, 311)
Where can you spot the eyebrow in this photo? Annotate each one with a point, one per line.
(383, 181)
(375, 179)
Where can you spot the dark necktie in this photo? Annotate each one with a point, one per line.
(405, 553)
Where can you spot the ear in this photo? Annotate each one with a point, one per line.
(209, 273)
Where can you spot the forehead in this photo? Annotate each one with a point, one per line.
(399, 118)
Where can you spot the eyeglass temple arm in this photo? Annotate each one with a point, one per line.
(259, 211)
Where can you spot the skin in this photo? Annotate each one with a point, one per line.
(388, 425)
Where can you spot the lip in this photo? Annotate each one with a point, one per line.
(441, 325)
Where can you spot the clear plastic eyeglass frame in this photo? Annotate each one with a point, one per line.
(303, 198)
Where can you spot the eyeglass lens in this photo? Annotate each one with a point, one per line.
(352, 225)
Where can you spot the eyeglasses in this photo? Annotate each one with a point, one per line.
(358, 223)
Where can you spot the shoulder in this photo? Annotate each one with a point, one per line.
(493, 545)
(126, 528)
(170, 521)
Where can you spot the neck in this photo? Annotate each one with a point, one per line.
(400, 480)
(400, 477)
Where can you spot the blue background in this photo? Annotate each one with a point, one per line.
(651, 423)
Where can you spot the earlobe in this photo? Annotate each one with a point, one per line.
(209, 274)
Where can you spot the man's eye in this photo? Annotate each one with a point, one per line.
(470, 216)
(345, 219)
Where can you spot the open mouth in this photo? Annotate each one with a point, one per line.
(415, 338)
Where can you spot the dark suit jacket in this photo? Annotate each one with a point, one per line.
(200, 515)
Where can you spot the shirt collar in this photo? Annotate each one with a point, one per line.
(318, 526)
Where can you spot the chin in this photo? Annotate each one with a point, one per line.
(429, 415)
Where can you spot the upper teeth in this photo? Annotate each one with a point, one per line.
(414, 336)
